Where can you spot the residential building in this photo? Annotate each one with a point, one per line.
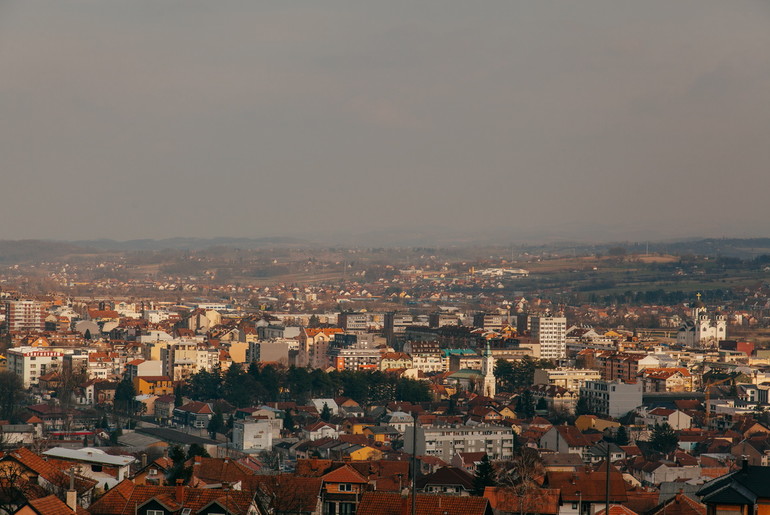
(570, 378)
(24, 316)
(551, 333)
(445, 441)
(29, 363)
(252, 435)
(612, 398)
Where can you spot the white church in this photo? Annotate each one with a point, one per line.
(702, 330)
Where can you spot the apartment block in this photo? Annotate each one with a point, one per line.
(446, 441)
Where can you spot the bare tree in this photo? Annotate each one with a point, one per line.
(522, 475)
(284, 494)
(15, 487)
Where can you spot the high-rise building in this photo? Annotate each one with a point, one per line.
(551, 333)
(24, 316)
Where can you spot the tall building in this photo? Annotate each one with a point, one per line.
(488, 372)
(551, 333)
(24, 316)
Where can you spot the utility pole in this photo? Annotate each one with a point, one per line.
(607, 484)
(414, 463)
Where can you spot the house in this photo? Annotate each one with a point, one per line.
(675, 418)
(51, 505)
(320, 430)
(387, 503)
(342, 490)
(28, 468)
(569, 439)
(467, 460)
(679, 504)
(153, 385)
(154, 473)
(193, 414)
(584, 491)
(127, 497)
(448, 481)
(745, 491)
(164, 408)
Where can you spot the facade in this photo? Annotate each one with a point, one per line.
(551, 333)
(24, 316)
(446, 441)
(29, 363)
(612, 398)
(569, 378)
(252, 435)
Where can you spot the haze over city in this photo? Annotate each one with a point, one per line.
(595, 119)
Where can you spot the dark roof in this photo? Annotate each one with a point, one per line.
(447, 476)
(174, 436)
(743, 486)
(386, 503)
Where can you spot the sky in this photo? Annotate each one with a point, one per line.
(599, 120)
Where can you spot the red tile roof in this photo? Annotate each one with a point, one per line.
(542, 500)
(386, 503)
(346, 474)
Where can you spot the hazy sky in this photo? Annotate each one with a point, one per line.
(150, 119)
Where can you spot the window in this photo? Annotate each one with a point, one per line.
(156, 512)
(346, 487)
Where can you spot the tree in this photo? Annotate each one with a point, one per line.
(11, 394)
(124, 397)
(525, 405)
(178, 398)
(621, 436)
(582, 407)
(270, 459)
(484, 477)
(542, 404)
(288, 421)
(197, 450)
(314, 321)
(664, 439)
(216, 424)
(326, 413)
(520, 474)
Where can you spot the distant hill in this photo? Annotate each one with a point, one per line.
(192, 243)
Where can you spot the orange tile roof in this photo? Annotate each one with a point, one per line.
(346, 474)
(387, 503)
(52, 505)
(542, 500)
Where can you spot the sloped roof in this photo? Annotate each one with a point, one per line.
(387, 503)
(541, 500)
(447, 476)
(346, 474)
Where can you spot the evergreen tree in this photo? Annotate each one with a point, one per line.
(582, 407)
(124, 396)
(288, 421)
(525, 405)
(621, 436)
(215, 424)
(664, 439)
(197, 450)
(542, 404)
(178, 399)
(326, 413)
(484, 477)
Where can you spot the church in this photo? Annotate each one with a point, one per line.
(702, 330)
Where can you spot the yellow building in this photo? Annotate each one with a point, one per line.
(153, 385)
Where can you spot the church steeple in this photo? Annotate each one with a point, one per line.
(488, 371)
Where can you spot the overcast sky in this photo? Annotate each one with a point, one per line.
(151, 119)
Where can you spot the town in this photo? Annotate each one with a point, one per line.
(350, 381)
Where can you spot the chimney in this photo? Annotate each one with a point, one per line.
(72, 494)
(144, 460)
(745, 463)
(405, 506)
(179, 491)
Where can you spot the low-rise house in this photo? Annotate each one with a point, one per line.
(447, 481)
(569, 439)
(193, 414)
(319, 430)
(128, 497)
(342, 490)
(536, 501)
(745, 491)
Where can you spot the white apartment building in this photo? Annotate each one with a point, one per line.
(184, 358)
(446, 441)
(551, 333)
(570, 378)
(24, 316)
(29, 363)
(253, 435)
(612, 398)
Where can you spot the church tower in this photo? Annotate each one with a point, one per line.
(488, 371)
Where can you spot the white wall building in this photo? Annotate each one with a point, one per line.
(551, 333)
(253, 435)
(445, 441)
(612, 398)
(29, 363)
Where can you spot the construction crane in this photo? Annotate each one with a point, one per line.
(707, 390)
